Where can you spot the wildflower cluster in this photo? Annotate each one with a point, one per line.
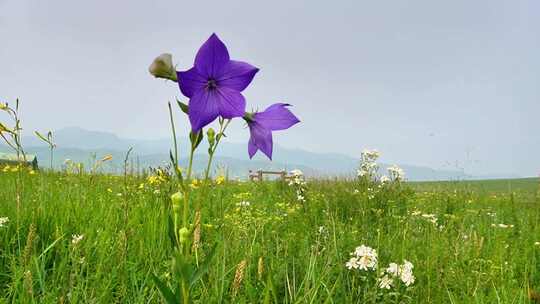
(76, 239)
(298, 182)
(369, 169)
(365, 261)
(158, 177)
(396, 173)
(363, 258)
(403, 273)
(368, 164)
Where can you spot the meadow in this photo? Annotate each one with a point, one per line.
(73, 237)
(181, 235)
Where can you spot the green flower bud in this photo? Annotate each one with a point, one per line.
(162, 67)
(211, 135)
(177, 201)
(184, 235)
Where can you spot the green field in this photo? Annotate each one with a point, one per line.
(82, 238)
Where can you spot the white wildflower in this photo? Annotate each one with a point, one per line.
(385, 179)
(243, 204)
(503, 226)
(367, 257)
(406, 273)
(3, 221)
(352, 263)
(386, 282)
(393, 269)
(76, 238)
(396, 173)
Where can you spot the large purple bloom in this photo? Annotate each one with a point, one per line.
(214, 84)
(261, 124)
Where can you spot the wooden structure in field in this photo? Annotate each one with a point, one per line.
(11, 159)
(259, 174)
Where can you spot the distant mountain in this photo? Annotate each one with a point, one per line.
(84, 146)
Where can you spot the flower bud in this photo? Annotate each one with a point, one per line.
(184, 235)
(162, 67)
(211, 135)
(3, 106)
(176, 199)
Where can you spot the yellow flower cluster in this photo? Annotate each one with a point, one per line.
(220, 180)
(8, 168)
(158, 178)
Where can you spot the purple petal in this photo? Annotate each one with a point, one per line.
(252, 148)
(190, 81)
(211, 57)
(261, 138)
(237, 75)
(276, 117)
(230, 102)
(203, 109)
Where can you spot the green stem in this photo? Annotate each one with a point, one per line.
(174, 137)
(52, 158)
(190, 166)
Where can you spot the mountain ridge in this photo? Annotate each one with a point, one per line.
(80, 144)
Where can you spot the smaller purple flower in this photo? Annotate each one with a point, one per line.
(214, 84)
(261, 124)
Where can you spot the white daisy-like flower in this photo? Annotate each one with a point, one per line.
(407, 278)
(537, 243)
(396, 173)
(76, 238)
(393, 269)
(386, 282)
(408, 266)
(406, 273)
(352, 263)
(4, 221)
(243, 204)
(367, 257)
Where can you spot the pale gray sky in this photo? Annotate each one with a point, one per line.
(426, 82)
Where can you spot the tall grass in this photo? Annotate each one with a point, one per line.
(272, 249)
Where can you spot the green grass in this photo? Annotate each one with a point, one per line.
(530, 185)
(461, 259)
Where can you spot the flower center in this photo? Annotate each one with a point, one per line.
(211, 84)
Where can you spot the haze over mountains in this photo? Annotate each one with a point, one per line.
(82, 145)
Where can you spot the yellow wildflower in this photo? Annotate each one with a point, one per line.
(194, 184)
(106, 158)
(220, 180)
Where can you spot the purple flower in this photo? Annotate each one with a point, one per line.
(261, 124)
(214, 84)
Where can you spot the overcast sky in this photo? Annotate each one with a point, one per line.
(435, 83)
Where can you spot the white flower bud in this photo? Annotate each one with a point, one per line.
(162, 67)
